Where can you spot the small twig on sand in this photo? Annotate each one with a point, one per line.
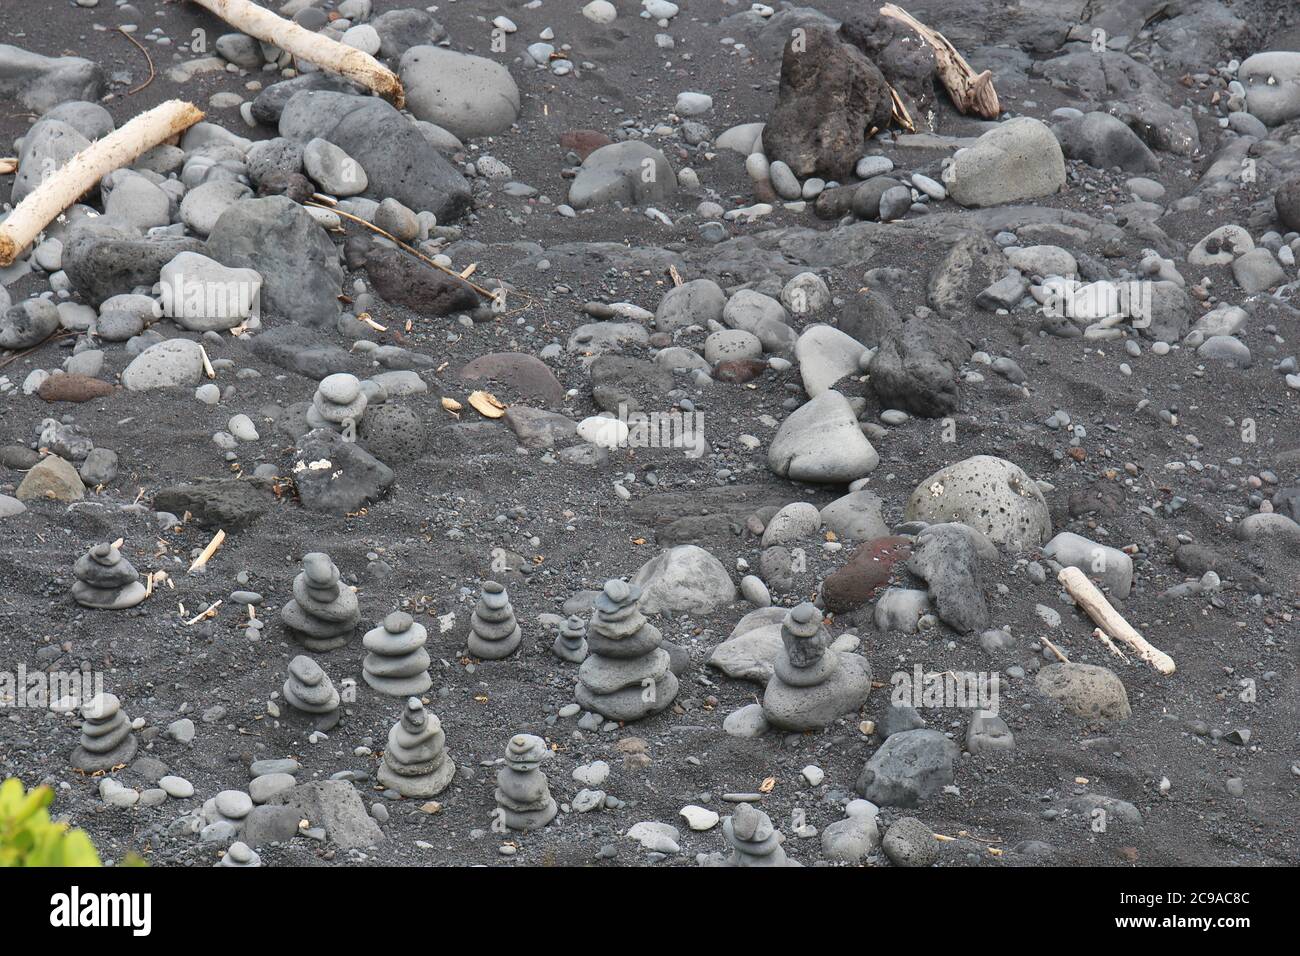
(206, 554)
(139, 46)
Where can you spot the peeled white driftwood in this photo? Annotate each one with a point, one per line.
(346, 61)
(1087, 596)
(70, 182)
(970, 92)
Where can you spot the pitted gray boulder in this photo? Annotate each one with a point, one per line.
(992, 495)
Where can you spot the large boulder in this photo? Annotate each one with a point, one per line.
(47, 147)
(468, 95)
(631, 172)
(908, 768)
(1018, 159)
(1272, 81)
(399, 161)
(40, 83)
(684, 579)
(991, 495)
(917, 368)
(167, 364)
(822, 441)
(831, 96)
(1103, 141)
(299, 265)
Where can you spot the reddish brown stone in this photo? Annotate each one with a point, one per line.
(738, 371)
(868, 570)
(584, 142)
(67, 387)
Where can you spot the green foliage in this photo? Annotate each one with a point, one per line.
(28, 837)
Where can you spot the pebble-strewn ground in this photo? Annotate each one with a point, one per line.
(858, 313)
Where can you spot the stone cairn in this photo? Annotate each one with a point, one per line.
(241, 855)
(106, 580)
(625, 676)
(812, 684)
(323, 613)
(754, 841)
(338, 404)
(415, 762)
(398, 664)
(311, 693)
(106, 738)
(571, 643)
(524, 800)
(494, 633)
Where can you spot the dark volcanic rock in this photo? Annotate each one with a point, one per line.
(337, 476)
(270, 103)
(304, 351)
(215, 503)
(299, 265)
(906, 60)
(945, 557)
(102, 261)
(917, 368)
(404, 280)
(830, 97)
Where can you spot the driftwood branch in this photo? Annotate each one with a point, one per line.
(1087, 596)
(70, 182)
(970, 92)
(348, 62)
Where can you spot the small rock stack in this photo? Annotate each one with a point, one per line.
(626, 674)
(323, 613)
(571, 643)
(754, 841)
(494, 633)
(241, 855)
(812, 684)
(106, 580)
(415, 762)
(310, 692)
(106, 738)
(398, 664)
(338, 404)
(524, 800)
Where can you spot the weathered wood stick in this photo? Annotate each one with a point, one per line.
(970, 93)
(70, 182)
(346, 61)
(1087, 596)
